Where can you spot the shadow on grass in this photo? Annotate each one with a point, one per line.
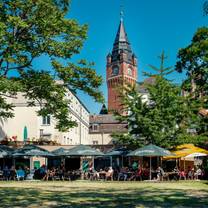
(126, 197)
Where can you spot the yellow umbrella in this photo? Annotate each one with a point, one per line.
(184, 150)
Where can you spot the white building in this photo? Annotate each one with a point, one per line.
(44, 127)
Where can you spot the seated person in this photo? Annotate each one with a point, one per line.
(190, 174)
(198, 173)
(123, 174)
(182, 175)
(20, 174)
(109, 174)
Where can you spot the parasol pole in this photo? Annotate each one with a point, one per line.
(111, 161)
(150, 176)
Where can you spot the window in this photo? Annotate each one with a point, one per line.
(95, 142)
(95, 127)
(46, 120)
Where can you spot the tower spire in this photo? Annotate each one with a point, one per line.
(121, 13)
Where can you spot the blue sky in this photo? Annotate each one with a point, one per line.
(151, 26)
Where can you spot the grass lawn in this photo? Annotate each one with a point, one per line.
(103, 194)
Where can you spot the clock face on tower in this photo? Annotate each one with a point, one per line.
(130, 71)
(115, 70)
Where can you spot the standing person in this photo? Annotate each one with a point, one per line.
(12, 173)
(61, 171)
(6, 173)
(160, 173)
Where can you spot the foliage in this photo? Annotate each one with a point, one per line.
(28, 30)
(205, 8)
(162, 119)
(193, 59)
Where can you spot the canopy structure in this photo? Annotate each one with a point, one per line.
(150, 151)
(32, 150)
(83, 150)
(185, 150)
(5, 151)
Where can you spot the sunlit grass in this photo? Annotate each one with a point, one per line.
(103, 194)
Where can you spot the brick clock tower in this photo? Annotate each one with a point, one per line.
(121, 68)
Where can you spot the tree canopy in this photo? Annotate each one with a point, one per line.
(28, 30)
(193, 59)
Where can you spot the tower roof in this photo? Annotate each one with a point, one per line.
(121, 43)
(121, 35)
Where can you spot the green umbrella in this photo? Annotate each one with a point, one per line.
(25, 134)
(5, 151)
(32, 150)
(150, 151)
(83, 150)
(60, 152)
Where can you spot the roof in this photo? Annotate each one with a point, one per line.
(106, 118)
(103, 110)
(121, 44)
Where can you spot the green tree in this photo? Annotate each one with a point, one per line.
(193, 59)
(28, 30)
(162, 119)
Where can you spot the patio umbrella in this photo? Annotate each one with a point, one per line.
(196, 154)
(116, 152)
(83, 150)
(185, 150)
(60, 152)
(25, 134)
(5, 151)
(32, 150)
(150, 151)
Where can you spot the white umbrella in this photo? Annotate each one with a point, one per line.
(196, 154)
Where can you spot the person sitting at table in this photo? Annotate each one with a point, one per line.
(109, 174)
(190, 174)
(198, 173)
(20, 174)
(123, 174)
(176, 173)
(182, 175)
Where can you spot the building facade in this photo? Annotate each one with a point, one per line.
(102, 127)
(27, 122)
